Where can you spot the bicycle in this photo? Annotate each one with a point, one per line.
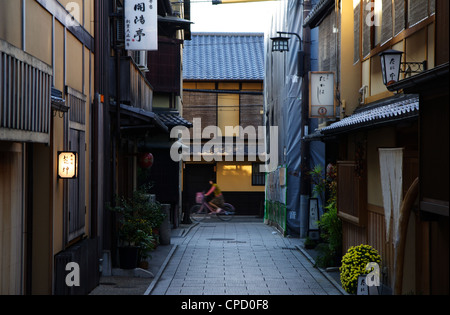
(202, 209)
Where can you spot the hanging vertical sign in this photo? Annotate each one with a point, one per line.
(322, 95)
(141, 25)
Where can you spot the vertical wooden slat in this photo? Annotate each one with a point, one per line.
(2, 82)
(32, 98)
(27, 97)
(9, 98)
(13, 104)
(20, 96)
(41, 102)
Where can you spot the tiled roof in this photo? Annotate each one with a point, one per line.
(173, 119)
(318, 10)
(224, 56)
(392, 109)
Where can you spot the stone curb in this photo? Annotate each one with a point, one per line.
(323, 271)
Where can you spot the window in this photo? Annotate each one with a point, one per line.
(376, 22)
(228, 113)
(75, 193)
(258, 177)
(25, 96)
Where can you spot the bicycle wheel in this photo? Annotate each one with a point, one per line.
(227, 212)
(198, 213)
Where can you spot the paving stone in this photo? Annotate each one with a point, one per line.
(239, 258)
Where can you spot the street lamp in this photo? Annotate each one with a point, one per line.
(281, 44)
(392, 66)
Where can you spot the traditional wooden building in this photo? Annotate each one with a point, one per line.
(222, 87)
(64, 89)
(131, 85)
(46, 91)
(389, 145)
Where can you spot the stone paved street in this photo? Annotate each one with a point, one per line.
(241, 257)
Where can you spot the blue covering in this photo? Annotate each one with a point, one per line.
(283, 100)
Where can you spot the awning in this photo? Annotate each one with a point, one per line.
(174, 21)
(137, 118)
(58, 103)
(385, 112)
(172, 119)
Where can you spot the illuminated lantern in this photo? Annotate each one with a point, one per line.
(145, 160)
(67, 165)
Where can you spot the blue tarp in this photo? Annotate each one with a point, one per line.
(283, 101)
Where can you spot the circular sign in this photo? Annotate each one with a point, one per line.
(322, 111)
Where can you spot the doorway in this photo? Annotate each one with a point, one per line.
(196, 178)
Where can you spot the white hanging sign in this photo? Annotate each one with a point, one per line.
(322, 95)
(141, 24)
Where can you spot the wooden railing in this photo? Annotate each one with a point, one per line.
(25, 96)
(135, 90)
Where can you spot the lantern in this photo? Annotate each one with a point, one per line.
(67, 165)
(390, 65)
(280, 43)
(145, 160)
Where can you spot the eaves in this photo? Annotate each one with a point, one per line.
(320, 11)
(390, 111)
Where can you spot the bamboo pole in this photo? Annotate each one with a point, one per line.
(405, 211)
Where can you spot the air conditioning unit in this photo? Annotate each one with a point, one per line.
(140, 58)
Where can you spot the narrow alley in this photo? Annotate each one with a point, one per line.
(241, 257)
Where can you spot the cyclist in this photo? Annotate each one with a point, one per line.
(218, 200)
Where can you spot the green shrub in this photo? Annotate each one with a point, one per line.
(331, 232)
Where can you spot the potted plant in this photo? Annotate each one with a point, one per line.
(129, 244)
(138, 218)
(151, 211)
(355, 263)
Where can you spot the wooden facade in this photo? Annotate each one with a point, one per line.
(225, 104)
(414, 27)
(46, 89)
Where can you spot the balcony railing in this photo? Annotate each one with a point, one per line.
(25, 96)
(135, 90)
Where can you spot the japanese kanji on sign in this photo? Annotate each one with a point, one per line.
(141, 25)
(322, 95)
(67, 165)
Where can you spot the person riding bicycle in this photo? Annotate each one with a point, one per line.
(218, 201)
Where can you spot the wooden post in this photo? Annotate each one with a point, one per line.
(405, 211)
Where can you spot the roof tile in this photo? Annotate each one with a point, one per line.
(224, 56)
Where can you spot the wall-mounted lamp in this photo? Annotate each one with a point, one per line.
(67, 164)
(392, 66)
(281, 44)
